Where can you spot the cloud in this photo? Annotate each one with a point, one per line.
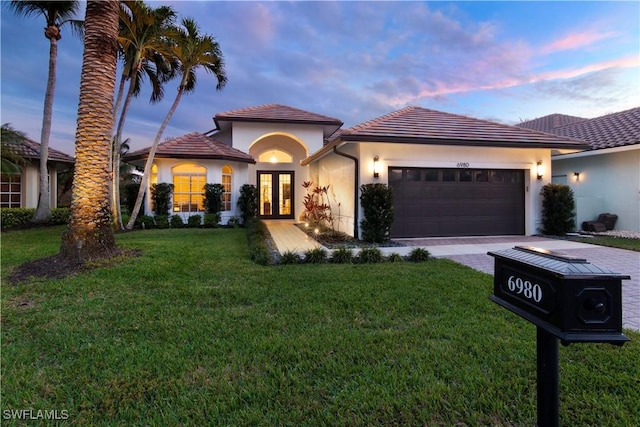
(626, 62)
(576, 41)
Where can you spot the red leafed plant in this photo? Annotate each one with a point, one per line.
(317, 210)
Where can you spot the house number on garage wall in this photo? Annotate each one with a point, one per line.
(463, 165)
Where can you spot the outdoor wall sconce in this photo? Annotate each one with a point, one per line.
(376, 167)
(576, 176)
(539, 170)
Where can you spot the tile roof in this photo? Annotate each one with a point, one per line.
(193, 145)
(276, 113)
(30, 149)
(613, 130)
(423, 126)
(550, 122)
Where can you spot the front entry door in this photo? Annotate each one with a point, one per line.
(275, 194)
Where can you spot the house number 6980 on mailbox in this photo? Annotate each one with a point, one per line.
(567, 298)
(531, 291)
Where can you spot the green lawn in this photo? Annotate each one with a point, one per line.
(192, 333)
(614, 242)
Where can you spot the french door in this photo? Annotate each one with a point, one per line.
(275, 194)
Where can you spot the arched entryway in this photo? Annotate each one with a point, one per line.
(277, 169)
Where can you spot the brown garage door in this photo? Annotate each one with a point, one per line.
(457, 202)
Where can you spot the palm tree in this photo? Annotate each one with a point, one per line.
(192, 51)
(144, 46)
(56, 14)
(11, 160)
(90, 234)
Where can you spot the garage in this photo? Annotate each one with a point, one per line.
(457, 202)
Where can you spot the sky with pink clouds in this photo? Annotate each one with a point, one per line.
(499, 61)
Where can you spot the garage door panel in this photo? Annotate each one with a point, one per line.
(477, 202)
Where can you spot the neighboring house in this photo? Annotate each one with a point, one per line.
(22, 190)
(451, 175)
(605, 178)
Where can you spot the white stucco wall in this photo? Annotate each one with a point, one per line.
(337, 172)
(246, 134)
(609, 182)
(431, 156)
(297, 140)
(214, 176)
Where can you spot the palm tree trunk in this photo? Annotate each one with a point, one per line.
(43, 211)
(117, 217)
(149, 163)
(115, 210)
(90, 234)
(118, 101)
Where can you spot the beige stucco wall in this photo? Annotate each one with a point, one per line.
(31, 185)
(609, 182)
(333, 170)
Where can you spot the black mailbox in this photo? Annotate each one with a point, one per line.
(568, 297)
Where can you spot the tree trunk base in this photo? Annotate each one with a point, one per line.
(86, 249)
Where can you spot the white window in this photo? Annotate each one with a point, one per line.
(154, 174)
(188, 188)
(227, 174)
(11, 191)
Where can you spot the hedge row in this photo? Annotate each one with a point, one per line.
(345, 255)
(257, 234)
(21, 217)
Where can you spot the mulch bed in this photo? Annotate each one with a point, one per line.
(58, 267)
(333, 240)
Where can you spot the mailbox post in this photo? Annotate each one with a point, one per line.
(568, 299)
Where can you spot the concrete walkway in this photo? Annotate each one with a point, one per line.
(472, 252)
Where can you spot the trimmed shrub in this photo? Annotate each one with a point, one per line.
(21, 217)
(395, 257)
(342, 255)
(377, 206)
(419, 255)
(315, 256)
(162, 221)
(290, 257)
(557, 209)
(161, 198)
(370, 256)
(194, 221)
(233, 222)
(176, 221)
(248, 202)
(60, 216)
(147, 222)
(213, 197)
(15, 217)
(211, 220)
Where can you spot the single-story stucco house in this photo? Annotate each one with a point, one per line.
(451, 175)
(605, 178)
(22, 190)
